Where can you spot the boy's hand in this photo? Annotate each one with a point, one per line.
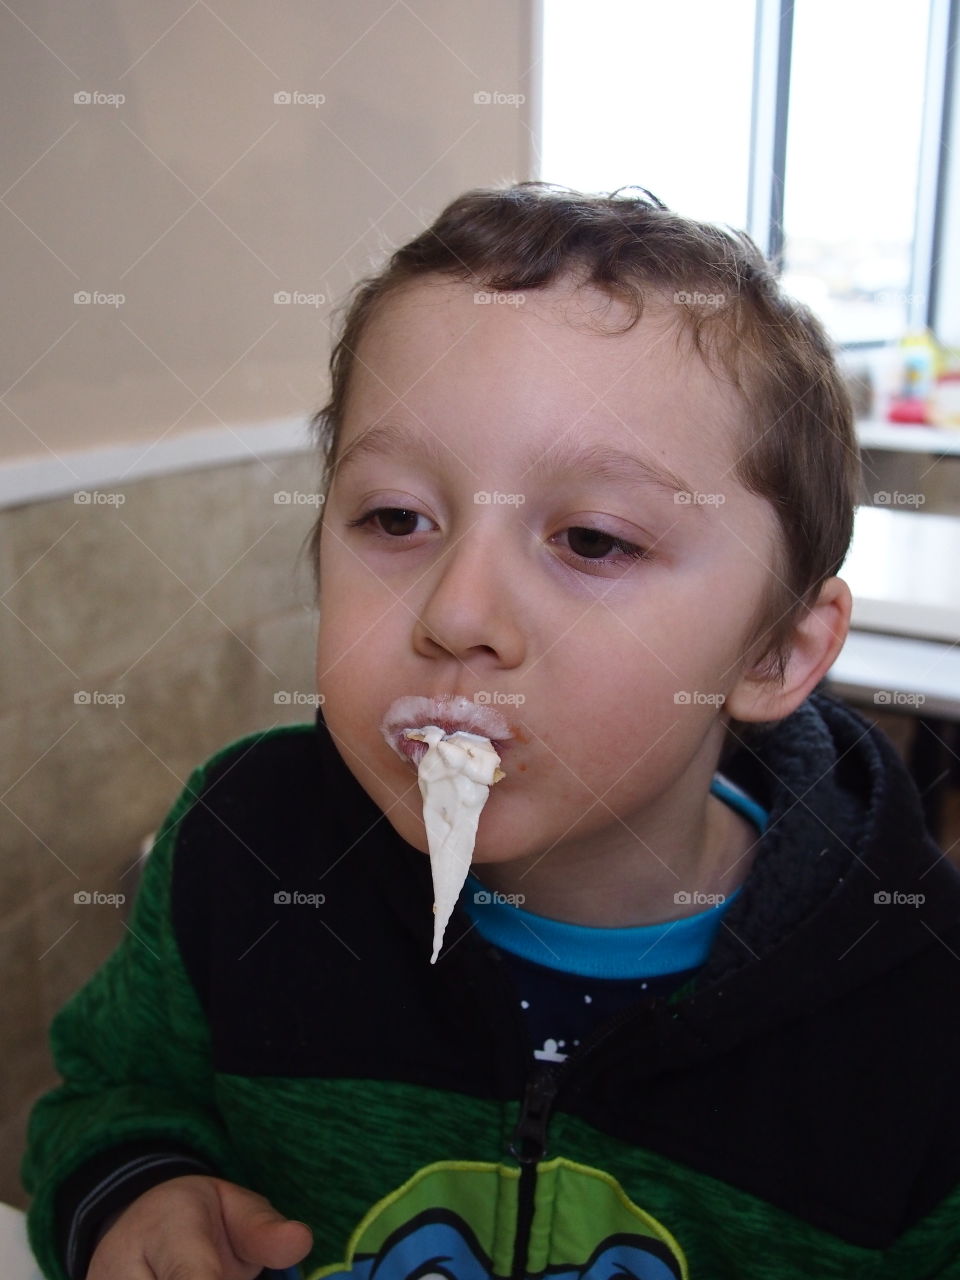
(198, 1228)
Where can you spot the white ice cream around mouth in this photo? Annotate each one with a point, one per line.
(455, 775)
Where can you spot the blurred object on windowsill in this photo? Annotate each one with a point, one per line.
(920, 354)
(945, 401)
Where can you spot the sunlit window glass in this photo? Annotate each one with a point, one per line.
(853, 143)
(653, 94)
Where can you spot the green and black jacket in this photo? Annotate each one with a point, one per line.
(795, 1114)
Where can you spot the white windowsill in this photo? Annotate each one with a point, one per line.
(50, 475)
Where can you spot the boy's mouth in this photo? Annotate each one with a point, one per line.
(453, 713)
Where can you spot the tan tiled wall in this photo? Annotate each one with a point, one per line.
(193, 602)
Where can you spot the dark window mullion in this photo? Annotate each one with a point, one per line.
(775, 240)
(768, 132)
(948, 68)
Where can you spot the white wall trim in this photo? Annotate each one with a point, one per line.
(51, 475)
(534, 112)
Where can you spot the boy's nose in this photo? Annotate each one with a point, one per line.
(470, 609)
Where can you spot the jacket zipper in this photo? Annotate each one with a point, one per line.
(528, 1144)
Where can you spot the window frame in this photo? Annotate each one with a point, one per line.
(773, 47)
(936, 237)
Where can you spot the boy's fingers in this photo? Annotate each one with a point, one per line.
(203, 1263)
(258, 1233)
(284, 1243)
(271, 1241)
(139, 1270)
(198, 1228)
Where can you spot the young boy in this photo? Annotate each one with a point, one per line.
(590, 480)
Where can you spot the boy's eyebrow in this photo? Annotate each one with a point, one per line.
(386, 439)
(601, 462)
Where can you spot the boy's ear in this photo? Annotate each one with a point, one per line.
(817, 639)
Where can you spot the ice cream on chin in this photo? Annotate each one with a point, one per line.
(455, 743)
(455, 774)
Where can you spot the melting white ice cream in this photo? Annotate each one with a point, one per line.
(455, 775)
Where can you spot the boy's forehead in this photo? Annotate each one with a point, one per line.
(556, 359)
(565, 317)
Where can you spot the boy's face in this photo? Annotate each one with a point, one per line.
(611, 668)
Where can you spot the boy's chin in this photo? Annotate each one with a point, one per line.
(483, 853)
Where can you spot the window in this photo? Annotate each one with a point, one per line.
(817, 125)
(854, 128)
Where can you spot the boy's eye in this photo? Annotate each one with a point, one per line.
(593, 544)
(396, 522)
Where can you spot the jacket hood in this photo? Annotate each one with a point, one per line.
(847, 882)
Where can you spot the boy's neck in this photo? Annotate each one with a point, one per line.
(626, 881)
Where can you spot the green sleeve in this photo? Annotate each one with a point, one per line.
(133, 1050)
(930, 1250)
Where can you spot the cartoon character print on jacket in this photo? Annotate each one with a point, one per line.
(457, 1220)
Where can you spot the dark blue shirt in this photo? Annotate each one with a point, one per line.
(571, 977)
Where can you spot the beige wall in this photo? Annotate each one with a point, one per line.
(198, 197)
(188, 598)
(137, 638)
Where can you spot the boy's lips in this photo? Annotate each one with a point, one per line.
(453, 713)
